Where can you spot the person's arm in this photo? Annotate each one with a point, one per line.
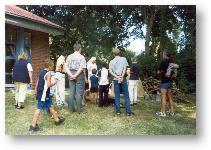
(67, 68)
(123, 72)
(77, 73)
(82, 67)
(159, 72)
(30, 77)
(30, 70)
(111, 71)
(125, 68)
(114, 75)
(68, 72)
(161, 68)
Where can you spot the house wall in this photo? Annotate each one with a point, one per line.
(40, 52)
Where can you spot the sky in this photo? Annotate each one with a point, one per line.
(137, 45)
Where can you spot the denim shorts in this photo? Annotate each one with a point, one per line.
(44, 105)
(167, 85)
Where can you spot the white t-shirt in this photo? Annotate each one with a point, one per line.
(75, 61)
(103, 76)
(29, 67)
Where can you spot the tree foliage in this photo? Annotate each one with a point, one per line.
(99, 28)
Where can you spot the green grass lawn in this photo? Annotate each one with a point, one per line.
(101, 121)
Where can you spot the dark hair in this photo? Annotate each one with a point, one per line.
(167, 53)
(94, 71)
(64, 53)
(104, 64)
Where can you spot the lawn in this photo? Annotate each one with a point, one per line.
(102, 121)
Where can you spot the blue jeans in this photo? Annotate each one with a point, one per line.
(76, 92)
(117, 95)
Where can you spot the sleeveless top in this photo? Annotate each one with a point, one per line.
(43, 91)
(20, 72)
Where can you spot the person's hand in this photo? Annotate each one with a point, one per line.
(73, 77)
(120, 79)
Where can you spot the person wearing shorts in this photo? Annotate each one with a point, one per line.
(166, 85)
(44, 100)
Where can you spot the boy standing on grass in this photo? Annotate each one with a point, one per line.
(44, 100)
(117, 68)
(103, 85)
(94, 85)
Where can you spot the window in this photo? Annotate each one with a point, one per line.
(27, 43)
(10, 51)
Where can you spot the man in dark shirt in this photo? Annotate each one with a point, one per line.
(133, 82)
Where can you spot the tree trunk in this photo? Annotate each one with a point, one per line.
(149, 20)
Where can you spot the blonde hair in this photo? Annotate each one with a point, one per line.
(116, 51)
(77, 46)
(48, 63)
(23, 56)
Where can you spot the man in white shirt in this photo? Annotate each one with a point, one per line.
(75, 64)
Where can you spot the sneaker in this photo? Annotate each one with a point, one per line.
(118, 113)
(130, 114)
(60, 121)
(168, 112)
(161, 114)
(172, 114)
(64, 104)
(34, 129)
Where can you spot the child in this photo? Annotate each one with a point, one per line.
(60, 86)
(94, 85)
(44, 100)
(103, 85)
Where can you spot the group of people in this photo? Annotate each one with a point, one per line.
(81, 73)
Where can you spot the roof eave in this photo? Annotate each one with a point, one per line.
(33, 25)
